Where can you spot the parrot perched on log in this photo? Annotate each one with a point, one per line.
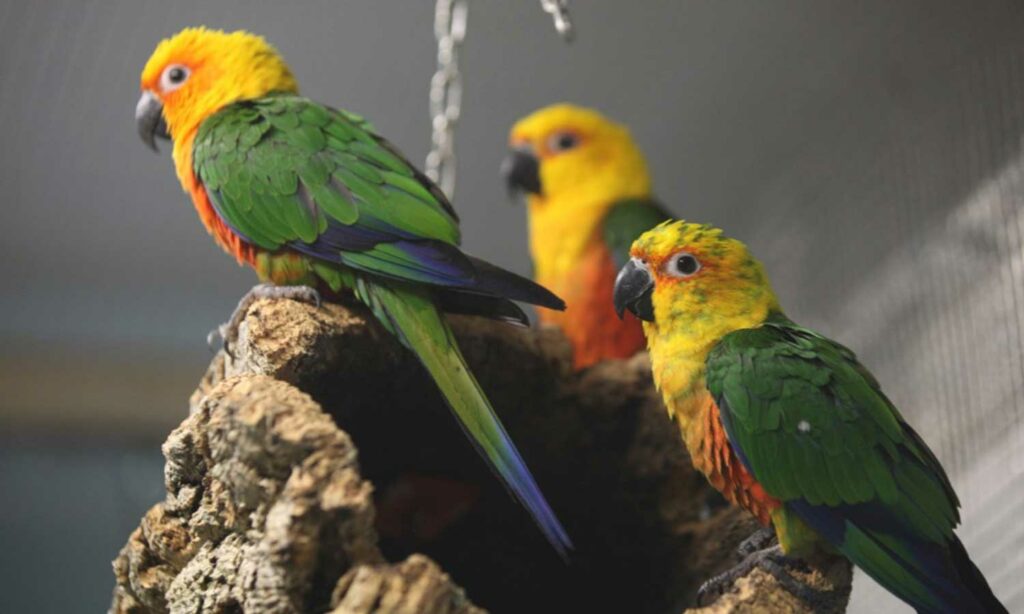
(789, 425)
(589, 196)
(314, 200)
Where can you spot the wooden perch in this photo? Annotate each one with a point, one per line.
(268, 509)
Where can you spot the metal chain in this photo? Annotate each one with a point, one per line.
(446, 92)
(559, 11)
(446, 84)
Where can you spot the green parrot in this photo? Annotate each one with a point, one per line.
(312, 198)
(789, 425)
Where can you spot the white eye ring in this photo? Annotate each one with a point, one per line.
(174, 76)
(683, 264)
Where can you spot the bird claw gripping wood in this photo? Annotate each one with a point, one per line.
(770, 559)
(758, 540)
(224, 336)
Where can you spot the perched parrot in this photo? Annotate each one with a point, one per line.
(789, 425)
(589, 197)
(313, 199)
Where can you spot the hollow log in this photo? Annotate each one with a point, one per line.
(270, 508)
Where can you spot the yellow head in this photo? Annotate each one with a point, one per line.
(198, 71)
(690, 281)
(565, 152)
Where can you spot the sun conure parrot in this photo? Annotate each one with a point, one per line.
(788, 424)
(313, 199)
(589, 196)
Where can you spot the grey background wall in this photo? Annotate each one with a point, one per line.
(869, 151)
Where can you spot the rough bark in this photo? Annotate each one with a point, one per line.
(268, 510)
(415, 585)
(759, 591)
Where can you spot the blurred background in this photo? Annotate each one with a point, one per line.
(869, 152)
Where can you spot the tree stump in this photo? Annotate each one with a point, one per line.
(270, 509)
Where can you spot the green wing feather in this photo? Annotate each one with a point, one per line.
(813, 427)
(627, 220)
(281, 167)
(284, 172)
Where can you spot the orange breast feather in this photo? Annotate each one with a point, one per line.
(224, 236)
(589, 321)
(714, 457)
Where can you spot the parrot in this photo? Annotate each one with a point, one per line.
(787, 424)
(588, 197)
(314, 200)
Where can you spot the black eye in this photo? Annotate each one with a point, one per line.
(683, 265)
(174, 77)
(687, 264)
(562, 141)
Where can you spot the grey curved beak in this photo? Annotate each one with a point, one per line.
(149, 119)
(522, 172)
(634, 286)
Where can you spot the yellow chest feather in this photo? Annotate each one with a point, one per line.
(679, 344)
(677, 363)
(560, 234)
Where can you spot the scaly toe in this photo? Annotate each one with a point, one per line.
(227, 333)
(758, 540)
(222, 338)
(711, 590)
(718, 585)
(779, 567)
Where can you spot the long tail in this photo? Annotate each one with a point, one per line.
(934, 578)
(928, 579)
(412, 316)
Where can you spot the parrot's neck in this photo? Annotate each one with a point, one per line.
(182, 154)
(559, 235)
(567, 219)
(685, 330)
(562, 230)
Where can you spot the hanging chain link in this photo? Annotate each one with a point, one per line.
(446, 85)
(446, 92)
(559, 11)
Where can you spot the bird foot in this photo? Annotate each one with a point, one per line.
(225, 335)
(771, 560)
(758, 540)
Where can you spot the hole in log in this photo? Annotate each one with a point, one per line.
(599, 443)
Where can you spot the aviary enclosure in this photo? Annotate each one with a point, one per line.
(869, 154)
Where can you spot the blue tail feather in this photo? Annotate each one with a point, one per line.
(934, 578)
(412, 316)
